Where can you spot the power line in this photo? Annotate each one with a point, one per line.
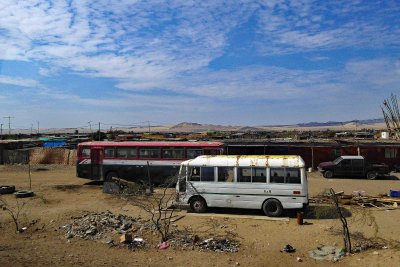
(9, 123)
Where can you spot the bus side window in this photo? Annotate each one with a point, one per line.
(226, 174)
(207, 174)
(259, 175)
(194, 174)
(109, 152)
(126, 152)
(277, 175)
(244, 175)
(193, 153)
(150, 153)
(293, 176)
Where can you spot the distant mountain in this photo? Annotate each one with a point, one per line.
(248, 129)
(338, 123)
(185, 124)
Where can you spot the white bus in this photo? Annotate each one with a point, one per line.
(269, 183)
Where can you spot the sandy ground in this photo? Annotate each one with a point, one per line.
(60, 195)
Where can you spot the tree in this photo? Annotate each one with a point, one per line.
(157, 205)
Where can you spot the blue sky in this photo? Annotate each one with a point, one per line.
(65, 63)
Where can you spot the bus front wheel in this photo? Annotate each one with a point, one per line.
(110, 175)
(272, 208)
(198, 205)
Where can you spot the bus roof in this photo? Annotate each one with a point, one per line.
(153, 144)
(293, 161)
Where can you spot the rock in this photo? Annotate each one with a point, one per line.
(299, 259)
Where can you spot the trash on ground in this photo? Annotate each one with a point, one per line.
(163, 245)
(394, 193)
(327, 253)
(219, 245)
(125, 238)
(369, 245)
(289, 249)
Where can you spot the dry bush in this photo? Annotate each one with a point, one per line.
(15, 211)
(157, 205)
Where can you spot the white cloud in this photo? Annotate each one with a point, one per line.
(19, 81)
(299, 26)
(150, 46)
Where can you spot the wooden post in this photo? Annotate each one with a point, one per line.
(312, 156)
(30, 178)
(149, 178)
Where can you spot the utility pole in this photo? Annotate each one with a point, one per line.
(1, 130)
(9, 123)
(90, 126)
(148, 122)
(31, 128)
(99, 131)
(37, 127)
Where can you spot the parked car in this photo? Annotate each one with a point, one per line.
(352, 166)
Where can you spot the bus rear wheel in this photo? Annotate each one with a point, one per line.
(272, 208)
(198, 205)
(372, 175)
(328, 174)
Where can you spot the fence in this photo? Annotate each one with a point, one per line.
(40, 156)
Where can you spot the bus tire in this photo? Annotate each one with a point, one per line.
(272, 208)
(328, 174)
(110, 175)
(198, 205)
(371, 175)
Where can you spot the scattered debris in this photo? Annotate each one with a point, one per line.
(105, 225)
(125, 238)
(366, 246)
(289, 249)
(359, 198)
(163, 245)
(327, 253)
(219, 245)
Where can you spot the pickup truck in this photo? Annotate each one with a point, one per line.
(352, 166)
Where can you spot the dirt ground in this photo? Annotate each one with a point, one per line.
(60, 195)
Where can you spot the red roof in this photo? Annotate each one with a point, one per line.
(150, 144)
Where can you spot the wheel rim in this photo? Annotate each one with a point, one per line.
(272, 208)
(197, 205)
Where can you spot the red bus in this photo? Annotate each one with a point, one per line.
(136, 161)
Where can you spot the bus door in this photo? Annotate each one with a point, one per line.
(96, 157)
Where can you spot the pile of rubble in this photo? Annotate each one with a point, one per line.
(106, 225)
(99, 225)
(216, 244)
(219, 245)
